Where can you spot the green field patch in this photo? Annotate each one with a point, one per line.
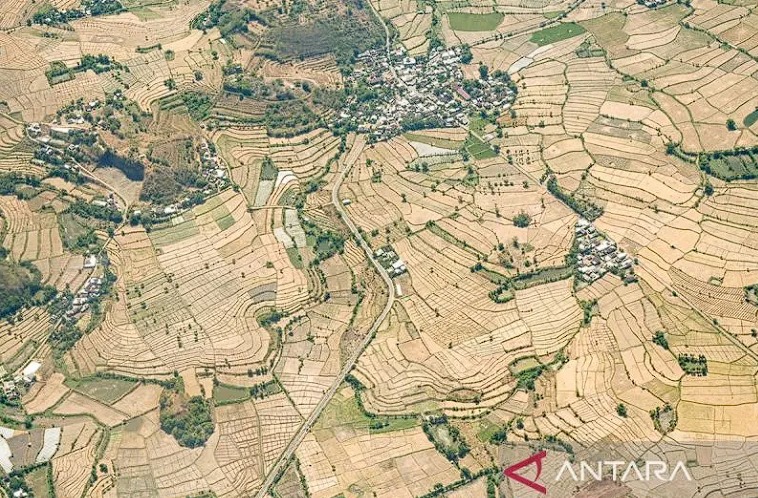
(106, 390)
(145, 14)
(543, 276)
(448, 237)
(343, 411)
(37, 480)
(478, 149)
(22, 356)
(224, 393)
(486, 430)
(293, 253)
(223, 217)
(436, 142)
(466, 21)
(523, 364)
(209, 205)
(172, 235)
(269, 171)
(553, 15)
(225, 222)
(750, 119)
(730, 167)
(557, 33)
(76, 232)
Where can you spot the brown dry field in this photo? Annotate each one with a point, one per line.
(191, 292)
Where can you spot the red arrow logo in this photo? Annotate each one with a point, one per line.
(537, 458)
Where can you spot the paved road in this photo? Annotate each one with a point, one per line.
(303, 431)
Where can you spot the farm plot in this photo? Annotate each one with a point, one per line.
(342, 453)
(193, 303)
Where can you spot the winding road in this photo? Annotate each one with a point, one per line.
(294, 443)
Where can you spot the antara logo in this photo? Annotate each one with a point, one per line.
(653, 470)
(537, 458)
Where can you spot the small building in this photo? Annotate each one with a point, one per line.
(346, 202)
(90, 261)
(29, 373)
(9, 389)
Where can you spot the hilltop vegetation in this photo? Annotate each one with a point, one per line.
(187, 419)
(21, 285)
(342, 30)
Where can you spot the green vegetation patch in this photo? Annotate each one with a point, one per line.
(693, 365)
(21, 286)
(223, 217)
(269, 171)
(343, 33)
(446, 438)
(436, 142)
(293, 253)
(581, 206)
(553, 15)
(478, 149)
(750, 119)
(223, 393)
(198, 104)
(728, 165)
(347, 412)
(188, 420)
(106, 390)
(448, 237)
(465, 21)
(557, 33)
(171, 235)
(325, 243)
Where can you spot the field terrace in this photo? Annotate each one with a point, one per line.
(300, 158)
(247, 440)
(654, 207)
(454, 361)
(319, 337)
(410, 22)
(202, 282)
(517, 17)
(322, 71)
(14, 153)
(699, 83)
(76, 457)
(28, 55)
(344, 453)
(613, 360)
(33, 235)
(18, 342)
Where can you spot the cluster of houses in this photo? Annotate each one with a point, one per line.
(214, 170)
(109, 202)
(215, 174)
(391, 262)
(651, 4)
(88, 293)
(598, 254)
(400, 92)
(24, 378)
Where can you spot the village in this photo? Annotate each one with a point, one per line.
(390, 260)
(71, 140)
(599, 255)
(390, 95)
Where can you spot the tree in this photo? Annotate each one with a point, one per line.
(466, 55)
(621, 410)
(731, 125)
(484, 71)
(522, 220)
